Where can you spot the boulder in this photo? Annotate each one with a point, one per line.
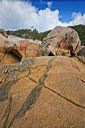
(81, 54)
(13, 50)
(23, 49)
(42, 92)
(4, 33)
(81, 51)
(63, 38)
(30, 49)
(62, 52)
(2, 42)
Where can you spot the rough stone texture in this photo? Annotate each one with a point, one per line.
(29, 49)
(16, 52)
(43, 92)
(15, 39)
(3, 32)
(62, 52)
(63, 38)
(81, 58)
(2, 42)
(81, 54)
(12, 52)
(26, 48)
(81, 51)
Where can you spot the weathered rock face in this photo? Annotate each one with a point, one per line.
(43, 92)
(29, 49)
(81, 54)
(2, 42)
(63, 38)
(13, 52)
(16, 52)
(62, 52)
(25, 47)
(3, 32)
(15, 39)
(6, 57)
(81, 51)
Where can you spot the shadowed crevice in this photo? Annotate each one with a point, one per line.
(14, 52)
(11, 55)
(50, 54)
(81, 80)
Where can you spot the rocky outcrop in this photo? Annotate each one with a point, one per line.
(2, 42)
(81, 54)
(11, 52)
(16, 52)
(81, 51)
(3, 32)
(63, 52)
(38, 89)
(15, 39)
(43, 92)
(62, 38)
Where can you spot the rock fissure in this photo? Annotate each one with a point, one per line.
(80, 79)
(27, 67)
(42, 79)
(59, 94)
(32, 97)
(67, 99)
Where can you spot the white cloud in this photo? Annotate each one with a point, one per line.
(78, 18)
(49, 4)
(17, 14)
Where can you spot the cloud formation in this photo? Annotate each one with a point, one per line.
(19, 14)
(49, 4)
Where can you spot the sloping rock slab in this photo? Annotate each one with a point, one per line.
(43, 92)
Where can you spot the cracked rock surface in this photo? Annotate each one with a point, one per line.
(43, 92)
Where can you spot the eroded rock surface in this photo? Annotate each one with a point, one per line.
(13, 52)
(38, 91)
(3, 32)
(81, 51)
(63, 38)
(43, 92)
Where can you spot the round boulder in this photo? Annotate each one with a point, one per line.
(63, 38)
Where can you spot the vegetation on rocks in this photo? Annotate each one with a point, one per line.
(3, 32)
(34, 34)
(81, 32)
(29, 34)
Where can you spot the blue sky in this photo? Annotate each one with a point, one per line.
(41, 14)
(65, 7)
